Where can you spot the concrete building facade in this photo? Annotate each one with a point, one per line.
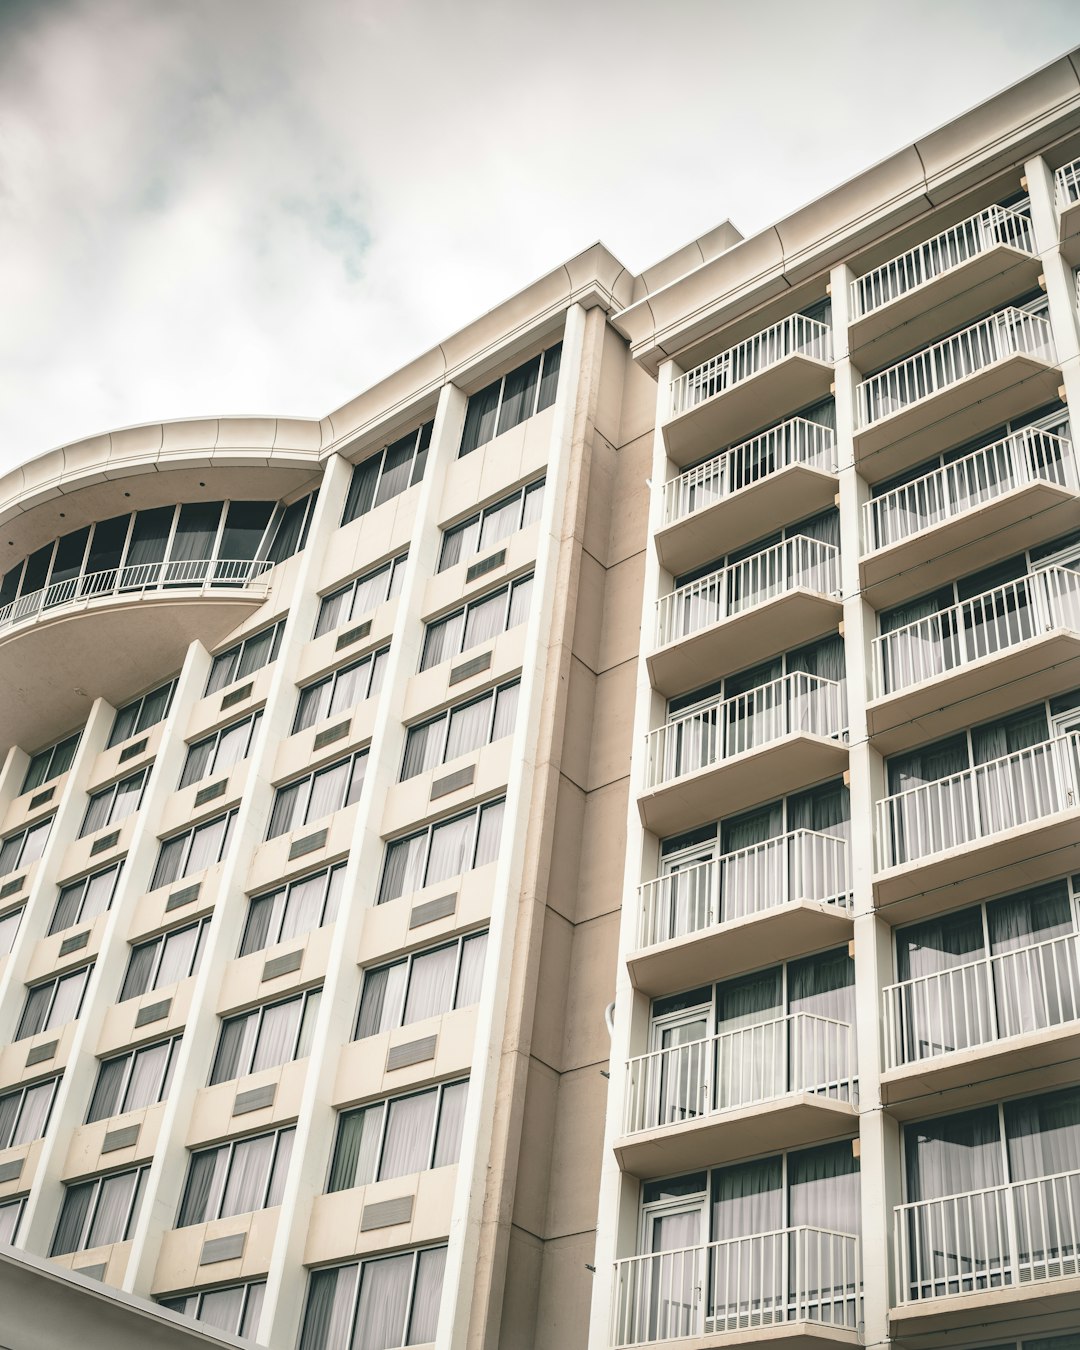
(579, 847)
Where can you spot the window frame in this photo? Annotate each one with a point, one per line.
(427, 831)
(305, 998)
(97, 1182)
(394, 568)
(409, 961)
(236, 653)
(247, 1286)
(83, 883)
(220, 1184)
(383, 1104)
(160, 941)
(17, 913)
(189, 836)
(421, 437)
(300, 819)
(129, 1056)
(537, 485)
(445, 718)
(20, 1090)
(509, 588)
(376, 661)
(17, 1203)
(50, 755)
(112, 791)
(253, 719)
(544, 359)
(139, 703)
(278, 911)
(23, 834)
(359, 1264)
(55, 981)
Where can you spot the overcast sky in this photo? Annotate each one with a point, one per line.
(246, 206)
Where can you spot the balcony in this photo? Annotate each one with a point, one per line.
(778, 599)
(977, 660)
(950, 393)
(788, 896)
(979, 510)
(785, 1083)
(1067, 183)
(1001, 826)
(790, 1289)
(781, 369)
(74, 630)
(958, 1032)
(977, 265)
(1004, 1254)
(784, 474)
(731, 755)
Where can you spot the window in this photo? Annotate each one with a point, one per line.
(194, 850)
(24, 846)
(318, 794)
(10, 1214)
(164, 960)
(460, 729)
(290, 529)
(341, 690)
(507, 401)
(273, 1034)
(50, 763)
(9, 927)
(304, 904)
(53, 1003)
(476, 622)
(234, 1308)
(256, 651)
(443, 850)
(24, 1113)
(402, 1135)
(134, 1080)
(144, 713)
(99, 1212)
(384, 475)
(361, 596)
(390, 1301)
(491, 525)
(83, 900)
(236, 1178)
(425, 984)
(219, 752)
(114, 803)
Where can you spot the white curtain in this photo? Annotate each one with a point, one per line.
(473, 952)
(489, 834)
(277, 1034)
(945, 1003)
(443, 640)
(384, 1302)
(451, 1120)
(747, 1204)
(303, 908)
(484, 620)
(116, 1201)
(382, 1000)
(520, 599)
(424, 1322)
(410, 1125)
(1036, 979)
(468, 727)
(327, 793)
(147, 1076)
(450, 849)
(751, 1047)
(431, 984)
(249, 1175)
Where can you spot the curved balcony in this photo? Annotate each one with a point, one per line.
(957, 1032)
(960, 388)
(730, 619)
(113, 633)
(1067, 184)
(978, 510)
(784, 1083)
(741, 495)
(974, 661)
(733, 754)
(789, 895)
(975, 266)
(778, 370)
(781, 1289)
(1003, 1254)
(998, 827)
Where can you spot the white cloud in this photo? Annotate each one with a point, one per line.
(254, 206)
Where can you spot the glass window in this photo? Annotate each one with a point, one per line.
(528, 389)
(24, 1113)
(273, 1034)
(115, 803)
(9, 928)
(443, 850)
(491, 525)
(234, 1308)
(83, 900)
(10, 1214)
(53, 1003)
(194, 850)
(477, 622)
(382, 476)
(291, 530)
(164, 960)
(50, 763)
(341, 690)
(361, 596)
(461, 729)
(239, 1177)
(398, 1136)
(393, 1301)
(304, 904)
(221, 751)
(318, 794)
(131, 1081)
(245, 658)
(99, 1212)
(144, 713)
(424, 984)
(25, 846)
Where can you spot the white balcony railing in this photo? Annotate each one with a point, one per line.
(1067, 180)
(793, 335)
(802, 865)
(1027, 456)
(747, 1066)
(1010, 332)
(990, 999)
(1017, 789)
(987, 230)
(1016, 1234)
(760, 1280)
(793, 442)
(982, 626)
(718, 731)
(793, 563)
(187, 574)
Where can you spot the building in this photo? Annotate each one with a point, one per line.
(579, 847)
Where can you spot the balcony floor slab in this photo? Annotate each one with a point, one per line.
(1009, 861)
(794, 1121)
(987, 281)
(788, 1336)
(988, 533)
(730, 417)
(990, 687)
(773, 770)
(736, 520)
(970, 407)
(785, 621)
(999, 1314)
(785, 931)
